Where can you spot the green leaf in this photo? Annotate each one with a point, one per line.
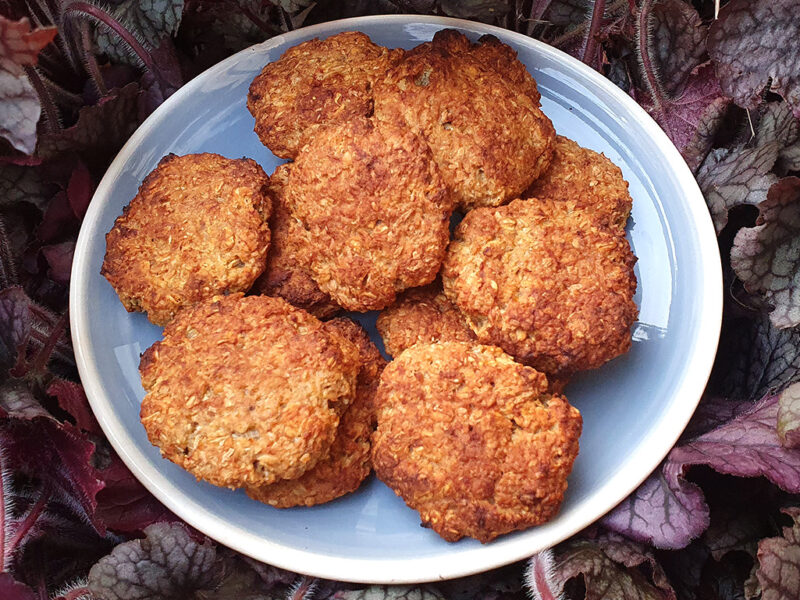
(675, 42)
(168, 563)
(482, 10)
(767, 257)
(779, 562)
(789, 416)
(730, 177)
(149, 20)
(292, 6)
(390, 592)
(778, 124)
(24, 184)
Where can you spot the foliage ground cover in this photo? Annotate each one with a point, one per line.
(719, 519)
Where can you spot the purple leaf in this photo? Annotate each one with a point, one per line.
(767, 257)
(11, 589)
(746, 446)
(603, 577)
(691, 119)
(789, 416)
(666, 511)
(754, 42)
(15, 326)
(167, 563)
(779, 562)
(19, 103)
(17, 400)
(730, 177)
(59, 261)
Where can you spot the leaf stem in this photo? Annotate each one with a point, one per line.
(28, 522)
(43, 357)
(76, 9)
(90, 61)
(75, 594)
(643, 50)
(590, 43)
(4, 566)
(8, 277)
(51, 121)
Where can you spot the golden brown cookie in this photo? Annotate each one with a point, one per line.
(315, 84)
(348, 463)
(371, 209)
(473, 440)
(197, 228)
(288, 273)
(422, 316)
(588, 179)
(545, 282)
(244, 391)
(484, 126)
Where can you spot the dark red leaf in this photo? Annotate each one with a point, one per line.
(100, 131)
(124, 504)
(11, 589)
(59, 455)
(79, 190)
(58, 220)
(72, 399)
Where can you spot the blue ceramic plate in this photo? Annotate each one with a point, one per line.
(634, 408)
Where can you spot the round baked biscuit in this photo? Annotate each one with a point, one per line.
(484, 126)
(246, 390)
(503, 59)
(348, 463)
(288, 273)
(371, 209)
(473, 440)
(196, 228)
(545, 282)
(422, 316)
(315, 84)
(588, 179)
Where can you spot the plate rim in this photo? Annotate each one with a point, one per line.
(403, 571)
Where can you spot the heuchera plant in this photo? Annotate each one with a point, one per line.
(718, 519)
